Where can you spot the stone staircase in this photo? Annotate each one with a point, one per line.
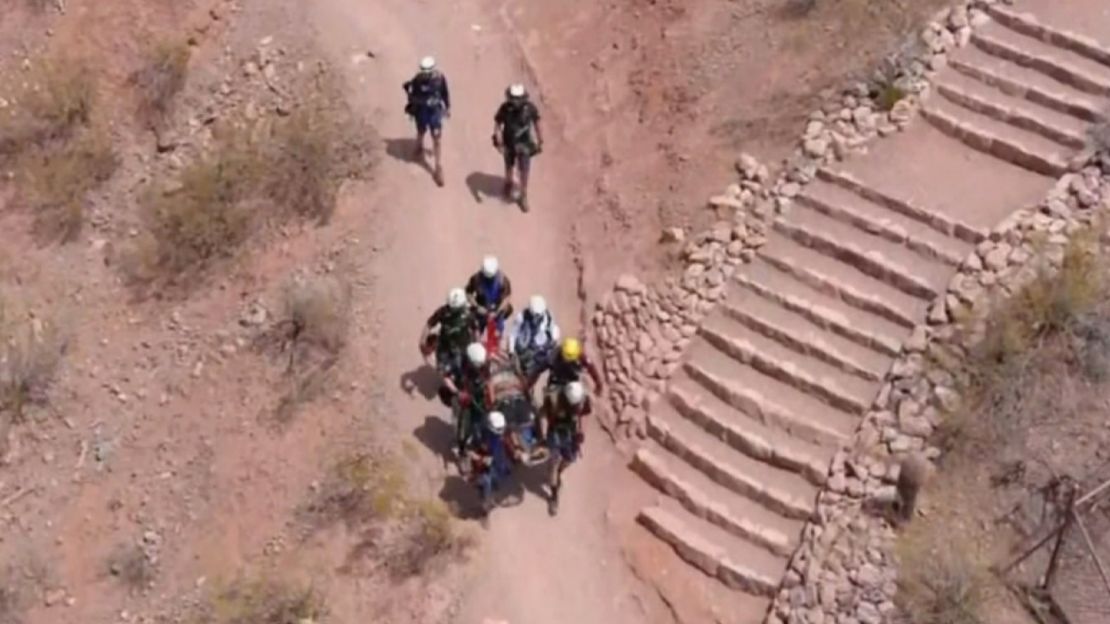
(781, 373)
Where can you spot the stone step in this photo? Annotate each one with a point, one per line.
(870, 254)
(1027, 24)
(1063, 65)
(809, 375)
(844, 205)
(716, 553)
(745, 433)
(712, 502)
(766, 399)
(801, 334)
(1003, 141)
(825, 310)
(842, 281)
(1028, 84)
(1021, 113)
(945, 224)
(785, 493)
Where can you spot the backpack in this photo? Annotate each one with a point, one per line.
(518, 121)
(530, 327)
(425, 89)
(455, 327)
(490, 290)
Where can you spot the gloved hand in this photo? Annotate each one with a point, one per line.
(579, 438)
(539, 149)
(496, 141)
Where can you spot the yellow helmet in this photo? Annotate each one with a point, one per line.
(572, 349)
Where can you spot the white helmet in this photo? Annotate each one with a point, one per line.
(489, 266)
(537, 305)
(575, 393)
(516, 90)
(456, 298)
(496, 422)
(427, 63)
(476, 353)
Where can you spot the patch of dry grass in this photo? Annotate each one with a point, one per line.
(1031, 342)
(317, 312)
(257, 174)
(431, 536)
(56, 151)
(888, 94)
(1033, 401)
(312, 330)
(201, 219)
(401, 535)
(304, 163)
(56, 183)
(159, 80)
(940, 582)
(266, 601)
(359, 488)
(31, 348)
(58, 100)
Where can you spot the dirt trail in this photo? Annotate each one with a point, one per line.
(424, 240)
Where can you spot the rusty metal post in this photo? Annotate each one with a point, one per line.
(1032, 549)
(1091, 549)
(1068, 518)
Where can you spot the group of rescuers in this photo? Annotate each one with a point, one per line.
(490, 360)
(516, 131)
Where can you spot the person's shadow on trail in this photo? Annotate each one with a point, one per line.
(424, 379)
(462, 498)
(438, 436)
(404, 150)
(460, 495)
(534, 478)
(483, 185)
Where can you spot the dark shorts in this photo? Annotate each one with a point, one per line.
(562, 442)
(518, 154)
(428, 118)
(449, 360)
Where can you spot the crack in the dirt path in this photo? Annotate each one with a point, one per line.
(671, 609)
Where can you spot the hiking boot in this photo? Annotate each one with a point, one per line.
(523, 202)
(438, 176)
